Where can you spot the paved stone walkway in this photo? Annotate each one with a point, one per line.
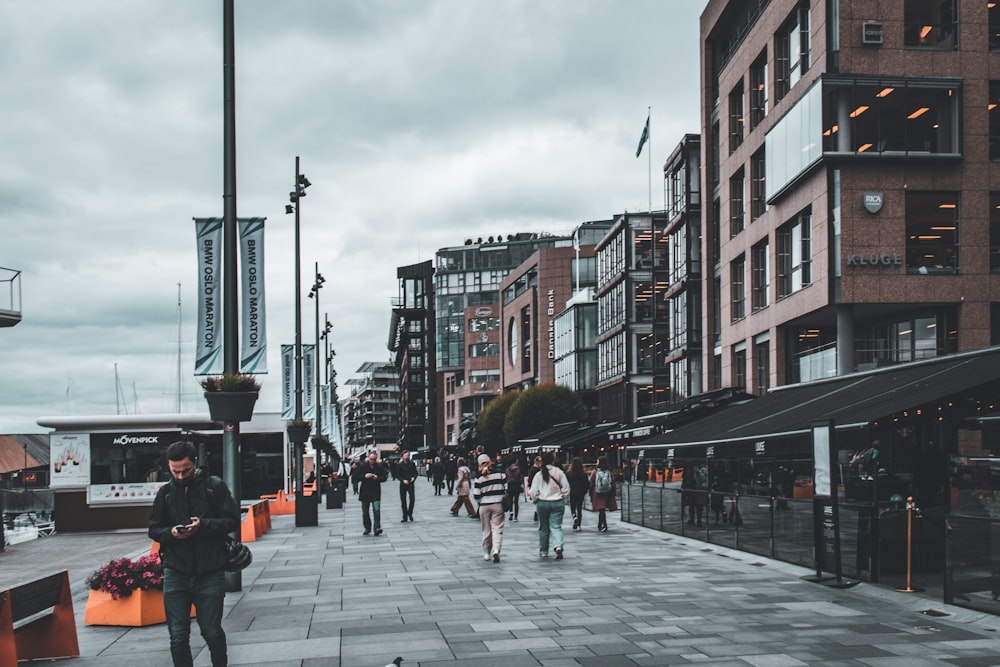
(327, 595)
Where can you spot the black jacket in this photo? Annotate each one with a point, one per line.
(371, 489)
(406, 471)
(207, 498)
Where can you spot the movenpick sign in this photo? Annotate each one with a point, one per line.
(873, 202)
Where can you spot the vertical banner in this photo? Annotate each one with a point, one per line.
(287, 382)
(308, 381)
(208, 346)
(253, 350)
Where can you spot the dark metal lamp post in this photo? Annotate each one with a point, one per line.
(303, 515)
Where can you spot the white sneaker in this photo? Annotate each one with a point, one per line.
(486, 555)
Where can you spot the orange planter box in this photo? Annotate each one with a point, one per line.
(140, 608)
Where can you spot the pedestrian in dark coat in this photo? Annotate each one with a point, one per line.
(579, 485)
(601, 502)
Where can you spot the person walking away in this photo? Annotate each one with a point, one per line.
(515, 481)
(191, 516)
(406, 473)
(450, 472)
(463, 487)
(720, 488)
(603, 494)
(536, 465)
(490, 489)
(371, 474)
(549, 489)
(355, 480)
(437, 470)
(579, 485)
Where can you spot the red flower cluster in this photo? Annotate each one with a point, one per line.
(123, 575)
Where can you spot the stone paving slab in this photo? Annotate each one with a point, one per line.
(326, 595)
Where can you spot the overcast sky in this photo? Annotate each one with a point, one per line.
(419, 124)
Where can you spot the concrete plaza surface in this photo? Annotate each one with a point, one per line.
(327, 595)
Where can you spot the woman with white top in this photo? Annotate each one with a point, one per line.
(549, 489)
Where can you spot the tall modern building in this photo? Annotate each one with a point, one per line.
(411, 340)
(471, 291)
(632, 317)
(467, 282)
(684, 344)
(848, 150)
(371, 413)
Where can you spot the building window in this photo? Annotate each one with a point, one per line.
(736, 198)
(995, 232)
(758, 90)
(993, 107)
(740, 366)
(737, 291)
(716, 312)
(758, 197)
(760, 275)
(791, 50)
(895, 117)
(902, 338)
(736, 117)
(762, 369)
(930, 24)
(795, 253)
(993, 28)
(484, 324)
(932, 232)
(484, 350)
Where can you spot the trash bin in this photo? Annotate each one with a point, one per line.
(334, 501)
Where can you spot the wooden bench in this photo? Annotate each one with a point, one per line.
(36, 620)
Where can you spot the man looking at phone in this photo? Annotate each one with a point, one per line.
(191, 516)
(371, 475)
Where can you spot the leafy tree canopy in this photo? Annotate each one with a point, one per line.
(489, 426)
(542, 407)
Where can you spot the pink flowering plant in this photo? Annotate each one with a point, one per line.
(123, 575)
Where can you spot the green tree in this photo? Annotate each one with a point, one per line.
(542, 407)
(489, 425)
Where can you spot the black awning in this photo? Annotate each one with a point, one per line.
(943, 386)
(585, 435)
(548, 435)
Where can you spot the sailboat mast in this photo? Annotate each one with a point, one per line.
(178, 348)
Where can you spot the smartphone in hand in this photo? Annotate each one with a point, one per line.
(181, 528)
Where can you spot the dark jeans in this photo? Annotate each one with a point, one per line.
(406, 497)
(376, 509)
(576, 507)
(207, 592)
(515, 497)
(602, 519)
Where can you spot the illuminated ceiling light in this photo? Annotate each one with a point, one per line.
(864, 147)
(919, 112)
(860, 110)
(884, 92)
(929, 237)
(991, 106)
(947, 205)
(924, 31)
(942, 229)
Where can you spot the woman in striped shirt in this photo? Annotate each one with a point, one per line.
(490, 489)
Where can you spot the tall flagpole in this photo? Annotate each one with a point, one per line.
(649, 158)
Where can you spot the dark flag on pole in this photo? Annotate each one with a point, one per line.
(644, 138)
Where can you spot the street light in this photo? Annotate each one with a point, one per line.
(314, 295)
(303, 517)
